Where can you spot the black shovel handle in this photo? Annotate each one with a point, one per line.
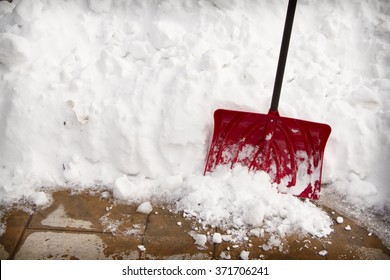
(283, 55)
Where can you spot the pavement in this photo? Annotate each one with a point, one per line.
(91, 225)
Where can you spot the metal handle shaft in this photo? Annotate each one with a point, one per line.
(283, 55)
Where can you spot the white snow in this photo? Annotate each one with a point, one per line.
(141, 248)
(244, 255)
(225, 255)
(145, 208)
(120, 94)
(339, 220)
(226, 237)
(200, 239)
(348, 228)
(217, 238)
(14, 50)
(323, 253)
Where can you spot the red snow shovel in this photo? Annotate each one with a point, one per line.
(290, 150)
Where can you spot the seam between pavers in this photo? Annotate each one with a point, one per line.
(215, 245)
(68, 230)
(77, 231)
(19, 243)
(141, 254)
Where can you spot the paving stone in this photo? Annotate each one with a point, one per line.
(167, 236)
(15, 222)
(71, 211)
(76, 245)
(122, 219)
(89, 213)
(121, 247)
(356, 243)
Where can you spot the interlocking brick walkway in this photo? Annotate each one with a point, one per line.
(93, 226)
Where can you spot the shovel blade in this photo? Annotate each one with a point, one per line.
(290, 150)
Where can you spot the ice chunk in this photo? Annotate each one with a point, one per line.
(323, 253)
(225, 255)
(244, 255)
(200, 239)
(145, 208)
(217, 238)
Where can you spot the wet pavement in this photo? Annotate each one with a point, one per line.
(93, 226)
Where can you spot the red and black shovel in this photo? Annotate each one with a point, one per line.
(290, 150)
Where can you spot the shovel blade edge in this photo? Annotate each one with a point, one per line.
(290, 150)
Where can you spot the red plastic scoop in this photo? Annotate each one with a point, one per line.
(289, 150)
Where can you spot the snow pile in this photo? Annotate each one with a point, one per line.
(121, 94)
(235, 198)
(232, 199)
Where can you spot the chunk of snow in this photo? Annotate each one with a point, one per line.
(225, 255)
(244, 255)
(323, 253)
(226, 237)
(217, 238)
(340, 220)
(200, 239)
(145, 208)
(348, 228)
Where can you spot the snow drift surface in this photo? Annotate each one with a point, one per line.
(121, 94)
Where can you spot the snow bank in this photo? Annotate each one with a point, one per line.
(121, 94)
